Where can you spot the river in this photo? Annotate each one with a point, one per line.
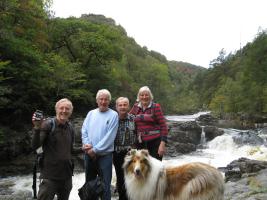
(219, 152)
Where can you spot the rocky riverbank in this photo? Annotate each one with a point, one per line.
(246, 179)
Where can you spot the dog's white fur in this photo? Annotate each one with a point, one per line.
(146, 178)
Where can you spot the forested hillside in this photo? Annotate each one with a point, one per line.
(43, 58)
(236, 84)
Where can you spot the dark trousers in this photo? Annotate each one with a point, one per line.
(49, 188)
(118, 159)
(104, 164)
(152, 146)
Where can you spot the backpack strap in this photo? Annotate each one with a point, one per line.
(53, 124)
(72, 143)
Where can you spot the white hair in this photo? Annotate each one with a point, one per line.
(63, 101)
(144, 89)
(105, 92)
(122, 99)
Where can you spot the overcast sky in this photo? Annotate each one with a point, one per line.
(192, 31)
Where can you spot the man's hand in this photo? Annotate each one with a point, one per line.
(91, 153)
(36, 122)
(86, 147)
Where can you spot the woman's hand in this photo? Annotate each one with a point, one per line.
(162, 149)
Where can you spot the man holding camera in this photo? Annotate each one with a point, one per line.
(56, 137)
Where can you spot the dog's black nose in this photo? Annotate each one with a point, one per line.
(137, 171)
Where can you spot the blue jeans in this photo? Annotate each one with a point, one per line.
(104, 164)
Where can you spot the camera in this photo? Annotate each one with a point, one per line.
(38, 115)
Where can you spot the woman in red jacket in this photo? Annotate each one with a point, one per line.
(150, 124)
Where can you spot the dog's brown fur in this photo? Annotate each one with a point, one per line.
(148, 179)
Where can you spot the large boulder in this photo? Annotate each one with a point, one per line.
(183, 137)
(15, 145)
(207, 119)
(185, 132)
(250, 187)
(248, 137)
(211, 132)
(243, 166)
(246, 179)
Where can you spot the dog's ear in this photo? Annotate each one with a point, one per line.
(132, 152)
(145, 152)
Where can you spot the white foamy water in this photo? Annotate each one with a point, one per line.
(185, 118)
(220, 152)
(24, 183)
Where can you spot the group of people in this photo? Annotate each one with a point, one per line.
(107, 136)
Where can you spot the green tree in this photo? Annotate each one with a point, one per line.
(4, 89)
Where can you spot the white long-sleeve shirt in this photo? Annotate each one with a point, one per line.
(99, 129)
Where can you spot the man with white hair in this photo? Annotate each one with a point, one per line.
(125, 140)
(98, 134)
(56, 137)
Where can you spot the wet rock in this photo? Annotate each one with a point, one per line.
(211, 132)
(77, 124)
(183, 137)
(248, 137)
(15, 145)
(248, 187)
(243, 166)
(264, 130)
(7, 193)
(185, 132)
(207, 119)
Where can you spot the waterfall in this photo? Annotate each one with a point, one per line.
(203, 136)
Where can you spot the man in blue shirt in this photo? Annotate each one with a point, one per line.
(98, 134)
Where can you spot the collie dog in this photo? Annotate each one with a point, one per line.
(146, 178)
